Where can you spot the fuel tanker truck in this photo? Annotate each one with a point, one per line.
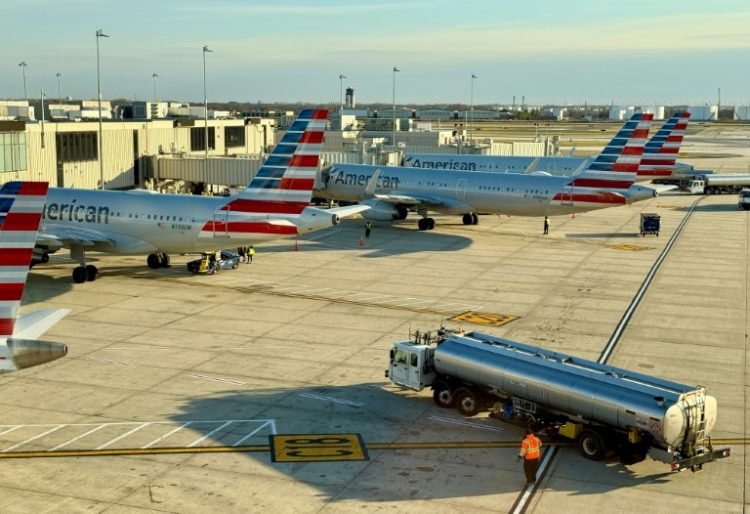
(605, 409)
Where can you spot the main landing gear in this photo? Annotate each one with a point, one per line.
(470, 218)
(157, 260)
(426, 224)
(84, 272)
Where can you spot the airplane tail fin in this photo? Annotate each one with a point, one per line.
(21, 205)
(281, 189)
(613, 171)
(660, 153)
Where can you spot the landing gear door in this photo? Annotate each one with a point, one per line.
(221, 223)
(461, 189)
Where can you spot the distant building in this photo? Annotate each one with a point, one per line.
(16, 110)
(704, 112)
(742, 113)
(621, 112)
(150, 110)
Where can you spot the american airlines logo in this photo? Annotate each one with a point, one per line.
(75, 212)
(442, 165)
(354, 179)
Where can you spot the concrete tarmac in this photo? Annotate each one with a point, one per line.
(298, 341)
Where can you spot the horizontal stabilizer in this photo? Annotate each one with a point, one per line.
(34, 324)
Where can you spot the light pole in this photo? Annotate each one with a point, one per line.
(471, 130)
(154, 76)
(59, 88)
(205, 113)
(23, 65)
(42, 95)
(395, 70)
(99, 34)
(341, 87)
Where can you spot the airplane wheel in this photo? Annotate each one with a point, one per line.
(474, 218)
(468, 219)
(423, 224)
(91, 272)
(79, 275)
(45, 258)
(164, 260)
(153, 261)
(430, 223)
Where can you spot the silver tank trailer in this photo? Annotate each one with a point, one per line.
(577, 387)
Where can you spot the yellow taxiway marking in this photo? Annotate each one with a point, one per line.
(484, 318)
(317, 448)
(433, 445)
(630, 248)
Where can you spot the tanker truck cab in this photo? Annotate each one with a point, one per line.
(411, 362)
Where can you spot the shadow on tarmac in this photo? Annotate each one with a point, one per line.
(381, 413)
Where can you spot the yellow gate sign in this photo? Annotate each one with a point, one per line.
(317, 447)
(484, 318)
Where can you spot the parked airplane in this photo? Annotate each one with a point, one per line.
(21, 205)
(274, 205)
(394, 190)
(659, 157)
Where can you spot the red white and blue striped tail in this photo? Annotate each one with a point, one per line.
(615, 168)
(660, 153)
(21, 205)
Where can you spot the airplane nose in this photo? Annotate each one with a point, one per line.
(27, 353)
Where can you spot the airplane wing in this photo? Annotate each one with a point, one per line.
(34, 324)
(349, 210)
(435, 203)
(56, 236)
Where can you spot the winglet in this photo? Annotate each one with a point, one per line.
(372, 184)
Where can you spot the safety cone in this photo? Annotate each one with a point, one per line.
(574, 216)
(361, 241)
(296, 245)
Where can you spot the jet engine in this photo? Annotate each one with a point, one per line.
(25, 353)
(383, 211)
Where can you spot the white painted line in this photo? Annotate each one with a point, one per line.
(273, 426)
(248, 436)
(212, 432)
(167, 435)
(465, 423)
(58, 427)
(329, 399)
(136, 429)
(216, 379)
(526, 496)
(237, 348)
(138, 349)
(11, 429)
(107, 361)
(66, 443)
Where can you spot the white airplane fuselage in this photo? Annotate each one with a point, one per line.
(462, 192)
(137, 223)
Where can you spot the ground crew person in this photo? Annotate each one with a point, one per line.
(531, 451)
(250, 253)
(242, 253)
(546, 225)
(368, 229)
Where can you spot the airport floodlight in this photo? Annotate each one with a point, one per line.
(471, 108)
(154, 76)
(395, 70)
(23, 65)
(99, 34)
(59, 88)
(205, 113)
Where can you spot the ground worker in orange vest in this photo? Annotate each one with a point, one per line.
(531, 451)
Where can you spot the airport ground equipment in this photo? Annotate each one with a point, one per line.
(743, 202)
(708, 183)
(650, 223)
(604, 408)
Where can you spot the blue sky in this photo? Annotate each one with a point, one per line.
(561, 51)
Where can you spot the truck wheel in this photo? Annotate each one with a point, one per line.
(443, 396)
(466, 403)
(591, 445)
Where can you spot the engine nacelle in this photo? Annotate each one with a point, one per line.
(383, 211)
(25, 353)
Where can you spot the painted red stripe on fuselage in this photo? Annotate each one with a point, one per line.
(657, 162)
(265, 206)
(250, 227)
(18, 221)
(6, 326)
(11, 292)
(34, 189)
(629, 167)
(590, 198)
(297, 184)
(655, 173)
(15, 256)
(602, 183)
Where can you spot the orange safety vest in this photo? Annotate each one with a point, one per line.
(532, 446)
